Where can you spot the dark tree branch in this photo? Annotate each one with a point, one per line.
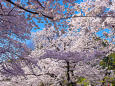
(49, 17)
(28, 10)
(21, 7)
(11, 10)
(7, 15)
(2, 8)
(68, 70)
(84, 16)
(40, 4)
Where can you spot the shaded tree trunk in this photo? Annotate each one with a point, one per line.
(70, 83)
(68, 68)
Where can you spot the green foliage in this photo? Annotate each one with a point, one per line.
(83, 81)
(65, 82)
(109, 62)
(7, 79)
(109, 80)
(10, 60)
(41, 84)
(113, 82)
(96, 38)
(71, 84)
(104, 44)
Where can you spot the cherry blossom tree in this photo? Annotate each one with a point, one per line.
(85, 45)
(68, 35)
(72, 46)
(14, 30)
(56, 12)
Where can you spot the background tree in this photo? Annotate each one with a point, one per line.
(80, 49)
(84, 32)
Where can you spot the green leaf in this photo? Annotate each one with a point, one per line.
(109, 62)
(104, 44)
(82, 80)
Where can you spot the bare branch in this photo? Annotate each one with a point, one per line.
(11, 10)
(49, 17)
(40, 4)
(28, 10)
